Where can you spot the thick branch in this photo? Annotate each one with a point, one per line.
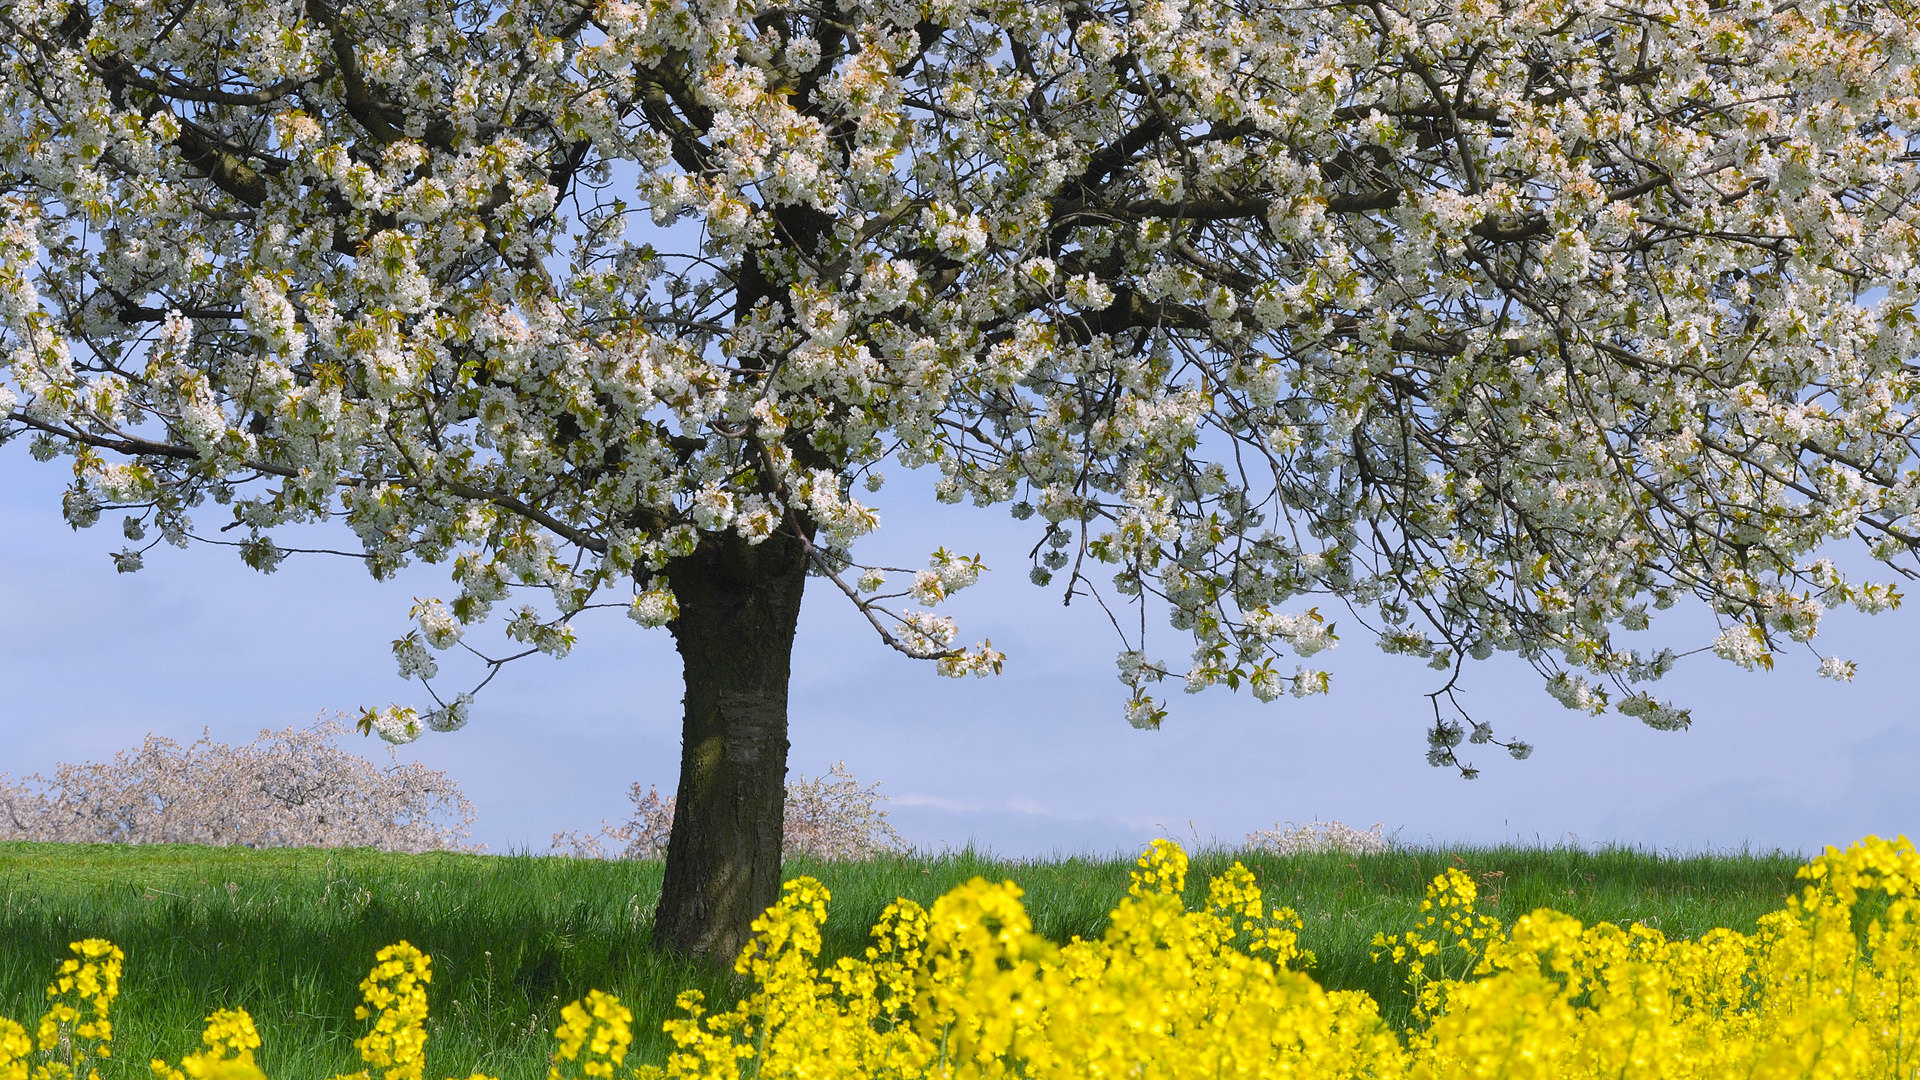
(223, 163)
(380, 119)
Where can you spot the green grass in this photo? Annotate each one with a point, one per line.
(288, 934)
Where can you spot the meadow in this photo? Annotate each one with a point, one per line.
(287, 933)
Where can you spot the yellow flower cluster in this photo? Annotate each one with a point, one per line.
(595, 1033)
(968, 989)
(395, 995)
(1450, 938)
(230, 1039)
(1828, 987)
(75, 1032)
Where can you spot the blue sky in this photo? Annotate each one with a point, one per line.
(1034, 762)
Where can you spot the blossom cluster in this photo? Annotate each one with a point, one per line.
(1504, 326)
(965, 988)
(290, 788)
(832, 816)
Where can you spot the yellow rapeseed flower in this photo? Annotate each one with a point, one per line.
(230, 1040)
(594, 1034)
(395, 996)
(15, 1050)
(75, 1031)
(1827, 988)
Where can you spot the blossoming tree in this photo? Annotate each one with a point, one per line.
(1496, 322)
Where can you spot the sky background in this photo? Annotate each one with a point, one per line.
(1034, 762)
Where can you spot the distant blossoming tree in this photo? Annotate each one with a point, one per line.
(1496, 322)
(826, 817)
(289, 788)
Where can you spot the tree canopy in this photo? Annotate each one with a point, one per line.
(1496, 323)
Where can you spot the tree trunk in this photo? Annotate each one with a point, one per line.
(739, 605)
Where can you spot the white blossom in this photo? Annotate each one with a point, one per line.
(451, 716)
(437, 624)
(1144, 712)
(394, 723)
(412, 658)
(1742, 645)
(655, 607)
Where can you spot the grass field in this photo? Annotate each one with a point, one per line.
(288, 934)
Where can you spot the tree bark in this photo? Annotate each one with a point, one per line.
(739, 606)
